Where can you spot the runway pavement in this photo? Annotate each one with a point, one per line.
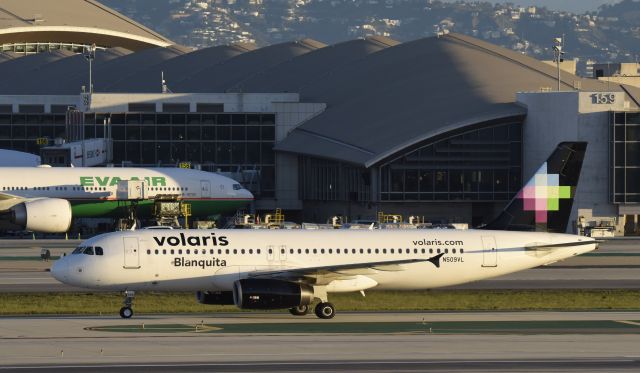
(616, 265)
(74, 344)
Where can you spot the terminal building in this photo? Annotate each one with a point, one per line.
(445, 128)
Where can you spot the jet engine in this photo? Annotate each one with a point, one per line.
(270, 294)
(46, 215)
(221, 298)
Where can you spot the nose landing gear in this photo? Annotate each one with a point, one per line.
(126, 312)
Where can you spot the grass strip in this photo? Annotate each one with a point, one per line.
(431, 300)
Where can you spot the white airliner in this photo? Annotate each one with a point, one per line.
(258, 269)
(44, 199)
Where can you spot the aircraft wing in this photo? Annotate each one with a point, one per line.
(7, 201)
(325, 274)
(5, 196)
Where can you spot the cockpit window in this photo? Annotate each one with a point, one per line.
(98, 250)
(237, 186)
(87, 250)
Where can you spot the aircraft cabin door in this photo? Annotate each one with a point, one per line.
(205, 188)
(131, 252)
(283, 253)
(489, 252)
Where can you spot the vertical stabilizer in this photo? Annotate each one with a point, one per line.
(544, 203)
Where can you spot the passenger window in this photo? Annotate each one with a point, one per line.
(212, 251)
(188, 251)
(337, 251)
(235, 251)
(438, 251)
(330, 251)
(219, 251)
(172, 251)
(156, 251)
(270, 251)
(299, 251)
(384, 251)
(368, 251)
(361, 251)
(195, 251)
(461, 251)
(148, 252)
(453, 251)
(423, 251)
(99, 250)
(242, 251)
(164, 252)
(306, 251)
(321, 251)
(258, 251)
(250, 251)
(446, 251)
(377, 251)
(430, 251)
(353, 251)
(315, 251)
(392, 251)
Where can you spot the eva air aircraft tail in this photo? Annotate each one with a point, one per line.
(44, 199)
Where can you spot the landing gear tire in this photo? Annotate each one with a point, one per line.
(126, 312)
(325, 310)
(299, 311)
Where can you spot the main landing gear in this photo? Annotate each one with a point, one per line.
(299, 311)
(126, 312)
(323, 310)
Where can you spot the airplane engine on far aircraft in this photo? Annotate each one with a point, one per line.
(271, 294)
(46, 215)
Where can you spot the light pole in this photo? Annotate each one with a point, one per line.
(557, 53)
(90, 55)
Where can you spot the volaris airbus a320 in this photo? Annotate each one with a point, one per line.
(280, 269)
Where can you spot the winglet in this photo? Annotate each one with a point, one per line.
(436, 260)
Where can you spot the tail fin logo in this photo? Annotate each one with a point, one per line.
(543, 194)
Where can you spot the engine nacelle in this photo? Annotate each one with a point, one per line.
(46, 215)
(222, 298)
(270, 294)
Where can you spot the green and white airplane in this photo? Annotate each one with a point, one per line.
(44, 199)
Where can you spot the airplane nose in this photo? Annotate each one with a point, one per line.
(58, 270)
(247, 194)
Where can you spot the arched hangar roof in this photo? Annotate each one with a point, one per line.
(296, 74)
(221, 77)
(73, 21)
(410, 93)
(178, 68)
(54, 75)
